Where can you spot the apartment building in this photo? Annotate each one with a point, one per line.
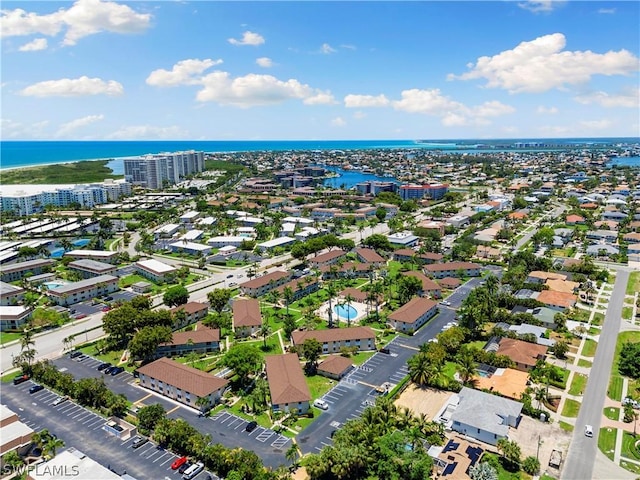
(84, 290)
(154, 270)
(17, 271)
(261, 285)
(453, 269)
(334, 339)
(247, 318)
(413, 315)
(287, 385)
(92, 268)
(158, 170)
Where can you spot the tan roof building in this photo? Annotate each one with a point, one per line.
(428, 285)
(328, 258)
(247, 318)
(261, 285)
(334, 339)
(412, 315)
(370, 256)
(524, 354)
(564, 286)
(558, 300)
(335, 366)
(287, 384)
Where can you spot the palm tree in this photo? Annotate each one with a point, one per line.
(288, 296)
(466, 366)
(265, 331)
(348, 300)
(540, 394)
(52, 444)
(331, 291)
(292, 453)
(422, 371)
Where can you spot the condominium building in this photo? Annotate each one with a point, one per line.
(157, 170)
(432, 191)
(84, 290)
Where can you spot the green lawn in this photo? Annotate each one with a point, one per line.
(580, 315)
(567, 427)
(627, 313)
(263, 419)
(111, 357)
(589, 349)
(623, 338)
(361, 357)
(547, 477)
(503, 474)
(607, 441)
(629, 448)
(598, 318)
(585, 363)
(614, 392)
(571, 408)
(578, 384)
(129, 280)
(634, 283)
(612, 413)
(319, 385)
(6, 337)
(594, 331)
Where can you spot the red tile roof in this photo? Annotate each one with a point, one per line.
(333, 334)
(411, 311)
(520, 351)
(335, 364)
(185, 378)
(286, 380)
(265, 279)
(246, 312)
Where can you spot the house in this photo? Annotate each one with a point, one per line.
(602, 250)
(403, 239)
(279, 242)
(16, 271)
(335, 367)
(154, 270)
(334, 339)
(456, 458)
(429, 287)
(14, 317)
(287, 385)
(184, 384)
(190, 248)
(261, 285)
(412, 315)
(527, 329)
(538, 276)
(200, 340)
(326, 259)
(14, 435)
(453, 269)
(605, 235)
(92, 268)
(409, 255)
(631, 237)
(450, 282)
(100, 255)
(574, 220)
(11, 294)
(141, 287)
(557, 300)
(193, 312)
(486, 252)
(565, 286)
(524, 354)
(247, 318)
(224, 241)
(83, 290)
(368, 255)
(482, 416)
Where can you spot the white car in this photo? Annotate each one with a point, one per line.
(321, 404)
(445, 302)
(588, 431)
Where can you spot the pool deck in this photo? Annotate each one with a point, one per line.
(360, 308)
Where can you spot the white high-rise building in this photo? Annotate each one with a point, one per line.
(157, 170)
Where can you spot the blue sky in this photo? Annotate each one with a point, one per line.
(96, 69)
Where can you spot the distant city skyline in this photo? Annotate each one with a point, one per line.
(205, 70)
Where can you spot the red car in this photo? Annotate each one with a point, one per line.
(178, 462)
(106, 309)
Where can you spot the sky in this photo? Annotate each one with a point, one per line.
(206, 70)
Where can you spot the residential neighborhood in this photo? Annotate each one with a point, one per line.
(469, 316)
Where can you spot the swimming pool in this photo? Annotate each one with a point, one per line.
(54, 284)
(345, 311)
(57, 253)
(80, 242)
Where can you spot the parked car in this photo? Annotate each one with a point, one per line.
(116, 370)
(251, 426)
(139, 441)
(75, 354)
(185, 466)
(631, 401)
(20, 379)
(36, 388)
(385, 350)
(59, 400)
(104, 366)
(193, 471)
(108, 370)
(178, 462)
(318, 402)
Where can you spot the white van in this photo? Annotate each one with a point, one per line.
(192, 471)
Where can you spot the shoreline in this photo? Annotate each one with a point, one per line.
(65, 162)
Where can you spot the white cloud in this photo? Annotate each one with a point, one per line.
(13, 129)
(542, 64)
(627, 99)
(248, 38)
(363, 101)
(451, 112)
(327, 49)
(67, 128)
(264, 62)
(359, 115)
(74, 87)
(540, 6)
(607, 11)
(83, 18)
(185, 72)
(596, 124)
(34, 45)
(251, 90)
(320, 98)
(148, 132)
(338, 122)
(542, 110)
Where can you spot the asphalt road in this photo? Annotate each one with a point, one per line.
(82, 429)
(534, 227)
(582, 451)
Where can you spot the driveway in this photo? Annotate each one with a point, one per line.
(82, 429)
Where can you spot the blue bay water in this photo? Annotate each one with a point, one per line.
(16, 154)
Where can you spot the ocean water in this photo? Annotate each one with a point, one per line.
(15, 154)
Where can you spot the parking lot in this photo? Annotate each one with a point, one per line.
(82, 429)
(270, 446)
